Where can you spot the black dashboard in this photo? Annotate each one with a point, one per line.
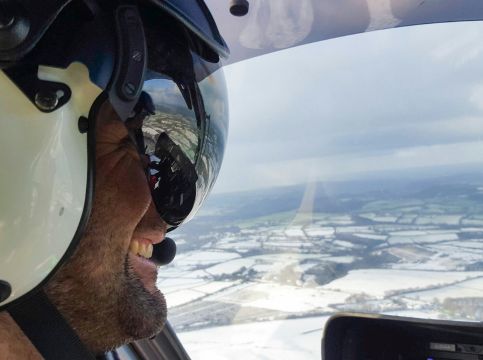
(372, 337)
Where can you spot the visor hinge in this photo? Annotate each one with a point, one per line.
(47, 96)
(128, 80)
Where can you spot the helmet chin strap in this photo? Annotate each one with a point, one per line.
(47, 329)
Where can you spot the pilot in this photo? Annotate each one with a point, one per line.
(113, 126)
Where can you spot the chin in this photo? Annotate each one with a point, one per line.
(142, 311)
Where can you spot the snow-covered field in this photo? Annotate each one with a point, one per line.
(465, 289)
(204, 258)
(282, 298)
(265, 286)
(421, 238)
(380, 283)
(288, 339)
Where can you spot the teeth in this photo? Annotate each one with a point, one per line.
(134, 247)
(143, 249)
(150, 251)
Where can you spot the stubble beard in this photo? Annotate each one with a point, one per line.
(142, 313)
(99, 294)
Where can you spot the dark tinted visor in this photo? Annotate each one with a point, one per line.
(183, 132)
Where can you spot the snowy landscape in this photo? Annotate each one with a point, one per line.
(263, 270)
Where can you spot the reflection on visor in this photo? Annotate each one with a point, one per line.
(182, 129)
(173, 115)
(172, 180)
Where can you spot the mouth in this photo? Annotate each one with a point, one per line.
(139, 255)
(142, 248)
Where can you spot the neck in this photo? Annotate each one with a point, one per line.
(14, 344)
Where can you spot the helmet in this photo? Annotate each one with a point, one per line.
(158, 65)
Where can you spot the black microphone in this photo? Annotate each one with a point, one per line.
(164, 252)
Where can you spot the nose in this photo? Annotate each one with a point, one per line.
(151, 226)
(164, 250)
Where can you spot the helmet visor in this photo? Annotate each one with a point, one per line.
(183, 133)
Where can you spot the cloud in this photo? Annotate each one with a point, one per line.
(383, 92)
(351, 166)
(477, 96)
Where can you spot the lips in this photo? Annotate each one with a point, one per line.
(141, 250)
(145, 270)
(144, 238)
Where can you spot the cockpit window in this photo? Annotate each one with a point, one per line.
(353, 181)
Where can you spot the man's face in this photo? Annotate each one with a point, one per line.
(107, 293)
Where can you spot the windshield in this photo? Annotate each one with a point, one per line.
(352, 182)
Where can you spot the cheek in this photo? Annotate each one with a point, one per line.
(124, 189)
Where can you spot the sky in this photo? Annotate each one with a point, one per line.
(395, 99)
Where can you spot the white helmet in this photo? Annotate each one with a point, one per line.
(60, 61)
